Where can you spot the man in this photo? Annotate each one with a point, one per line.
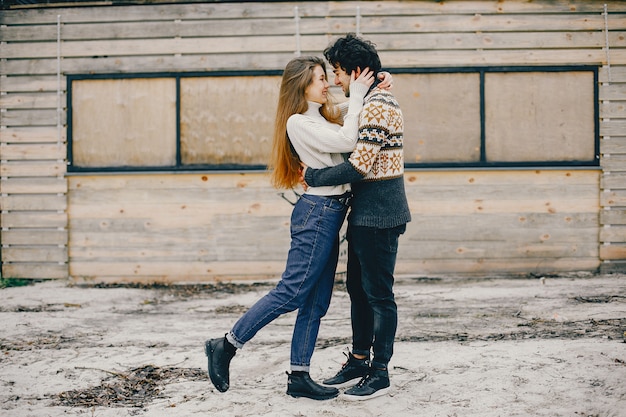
(378, 216)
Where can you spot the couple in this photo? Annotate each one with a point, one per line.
(313, 132)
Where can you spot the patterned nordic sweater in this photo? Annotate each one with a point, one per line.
(375, 168)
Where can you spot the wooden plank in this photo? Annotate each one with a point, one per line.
(33, 151)
(614, 91)
(613, 145)
(613, 127)
(614, 266)
(467, 234)
(488, 23)
(617, 73)
(31, 84)
(491, 267)
(547, 205)
(32, 134)
(206, 182)
(613, 252)
(34, 202)
(34, 254)
(492, 40)
(30, 270)
(613, 109)
(497, 251)
(34, 185)
(613, 198)
(473, 7)
(32, 100)
(273, 43)
(498, 226)
(613, 234)
(150, 64)
(32, 236)
(32, 169)
(516, 177)
(613, 162)
(613, 180)
(205, 27)
(139, 47)
(35, 220)
(182, 254)
(419, 59)
(174, 270)
(46, 117)
(162, 12)
(613, 216)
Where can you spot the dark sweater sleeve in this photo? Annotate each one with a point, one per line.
(339, 174)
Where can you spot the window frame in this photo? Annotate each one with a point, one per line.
(483, 163)
(480, 70)
(179, 166)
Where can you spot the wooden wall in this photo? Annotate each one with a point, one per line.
(207, 225)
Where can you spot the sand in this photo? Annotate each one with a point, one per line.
(541, 346)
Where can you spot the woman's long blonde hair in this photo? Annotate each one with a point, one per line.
(298, 74)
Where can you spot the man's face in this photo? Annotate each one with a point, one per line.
(342, 78)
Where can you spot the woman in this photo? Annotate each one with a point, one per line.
(307, 129)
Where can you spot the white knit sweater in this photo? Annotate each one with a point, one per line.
(320, 144)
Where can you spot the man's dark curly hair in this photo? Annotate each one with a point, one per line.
(350, 52)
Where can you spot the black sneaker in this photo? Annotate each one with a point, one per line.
(373, 385)
(219, 352)
(300, 384)
(350, 373)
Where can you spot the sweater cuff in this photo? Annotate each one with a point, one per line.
(358, 90)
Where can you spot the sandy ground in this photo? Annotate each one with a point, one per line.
(551, 346)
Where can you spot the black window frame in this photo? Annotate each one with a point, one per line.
(480, 70)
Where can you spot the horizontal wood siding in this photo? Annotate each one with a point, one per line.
(211, 225)
(190, 226)
(177, 227)
(482, 222)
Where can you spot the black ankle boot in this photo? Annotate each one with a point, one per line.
(300, 384)
(219, 353)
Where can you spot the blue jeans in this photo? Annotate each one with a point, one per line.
(371, 262)
(307, 282)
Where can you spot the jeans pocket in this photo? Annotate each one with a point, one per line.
(302, 212)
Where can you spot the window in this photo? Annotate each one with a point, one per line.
(490, 117)
(171, 122)
(454, 117)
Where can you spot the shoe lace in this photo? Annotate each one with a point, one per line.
(346, 362)
(364, 381)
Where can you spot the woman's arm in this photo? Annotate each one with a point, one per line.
(325, 139)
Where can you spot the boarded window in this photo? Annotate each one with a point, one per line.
(441, 117)
(539, 116)
(499, 117)
(124, 122)
(227, 120)
(481, 117)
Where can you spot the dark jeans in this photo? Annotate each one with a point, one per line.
(371, 263)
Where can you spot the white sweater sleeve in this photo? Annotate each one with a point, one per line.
(325, 139)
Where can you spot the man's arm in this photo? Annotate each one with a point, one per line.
(339, 174)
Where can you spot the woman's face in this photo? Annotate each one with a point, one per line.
(317, 91)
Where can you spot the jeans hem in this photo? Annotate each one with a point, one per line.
(300, 368)
(233, 341)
